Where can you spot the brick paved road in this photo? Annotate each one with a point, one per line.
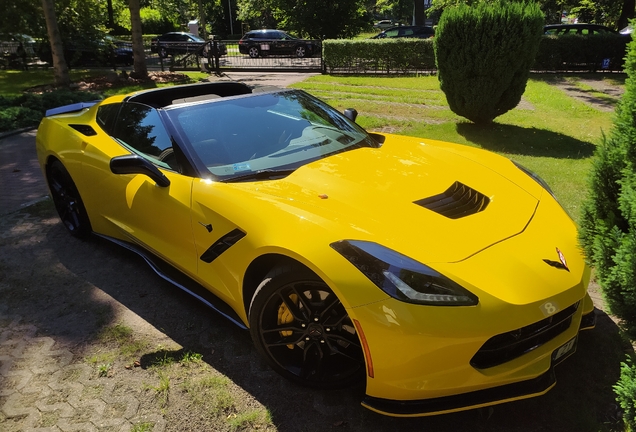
(21, 180)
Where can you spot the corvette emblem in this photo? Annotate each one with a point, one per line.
(561, 264)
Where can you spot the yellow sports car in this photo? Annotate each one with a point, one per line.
(445, 276)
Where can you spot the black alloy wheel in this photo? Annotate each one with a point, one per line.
(67, 200)
(303, 330)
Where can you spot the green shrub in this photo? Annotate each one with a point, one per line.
(401, 55)
(13, 118)
(484, 53)
(608, 225)
(625, 390)
(28, 109)
(580, 52)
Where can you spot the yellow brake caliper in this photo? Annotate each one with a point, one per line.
(285, 317)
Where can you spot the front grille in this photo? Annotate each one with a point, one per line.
(456, 202)
(508, 346)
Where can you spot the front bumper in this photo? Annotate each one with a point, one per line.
(423, 356)
(480, 398)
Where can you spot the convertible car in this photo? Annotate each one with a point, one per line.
(444, 276)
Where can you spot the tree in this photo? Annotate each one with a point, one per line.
(627, 13)
(484, 54)
(613, 13)
(608, 225)
(258, 13)
(318, 19)
(60, 69)
(139, 56)
(410, 11)
(23, 16)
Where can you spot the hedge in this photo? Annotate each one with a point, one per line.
(28, 109)
(403, 55)
(556, 53)
(581, 52)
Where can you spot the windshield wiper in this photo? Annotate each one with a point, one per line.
(265, 174)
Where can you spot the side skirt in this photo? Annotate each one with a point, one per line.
(180, 280)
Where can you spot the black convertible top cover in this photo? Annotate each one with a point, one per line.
(159, 98)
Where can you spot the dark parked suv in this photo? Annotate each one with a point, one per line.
(179, 43)
(418, 32)
(581, 29)
(276, 42)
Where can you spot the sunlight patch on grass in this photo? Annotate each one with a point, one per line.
(416, 83)
(250, 420)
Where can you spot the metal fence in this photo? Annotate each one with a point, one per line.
(14, 55)
(225, 55)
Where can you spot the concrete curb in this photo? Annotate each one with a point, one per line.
(16, 132)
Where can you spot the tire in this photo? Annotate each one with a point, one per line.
(254, 52)
(67, 200)
(300, 51)
(163, 52)
(303, 331)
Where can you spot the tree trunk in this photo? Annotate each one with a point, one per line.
(111, 17)
(204, 33)
(627, 13)
(139, 56)
(60, 69)
(419, 12)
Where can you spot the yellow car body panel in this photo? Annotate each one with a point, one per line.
(507, 255)
(442, 354)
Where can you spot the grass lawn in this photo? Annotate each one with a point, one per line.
(550, 132)
(13, 82)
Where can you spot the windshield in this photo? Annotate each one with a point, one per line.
(270, 132)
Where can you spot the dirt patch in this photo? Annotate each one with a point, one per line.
(601, 94)
(114, 80)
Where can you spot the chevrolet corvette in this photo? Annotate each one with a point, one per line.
(442, 276)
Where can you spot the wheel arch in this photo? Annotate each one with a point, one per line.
(258, 269)
(49, 160)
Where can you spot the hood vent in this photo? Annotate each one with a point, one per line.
(456, 202)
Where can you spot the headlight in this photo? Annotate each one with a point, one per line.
(402, 277)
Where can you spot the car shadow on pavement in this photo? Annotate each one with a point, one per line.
(72, 289)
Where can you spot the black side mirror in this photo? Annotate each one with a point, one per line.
(351, 114)
(134, 164)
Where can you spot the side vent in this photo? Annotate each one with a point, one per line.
(456, 202)
(222, 244)
(84, 129)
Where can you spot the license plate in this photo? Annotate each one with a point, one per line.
(264, 47)
(564, 350)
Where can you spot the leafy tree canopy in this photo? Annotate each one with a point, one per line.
(605, 12)
(317, 19)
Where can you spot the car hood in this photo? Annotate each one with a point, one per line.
(375, 194)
